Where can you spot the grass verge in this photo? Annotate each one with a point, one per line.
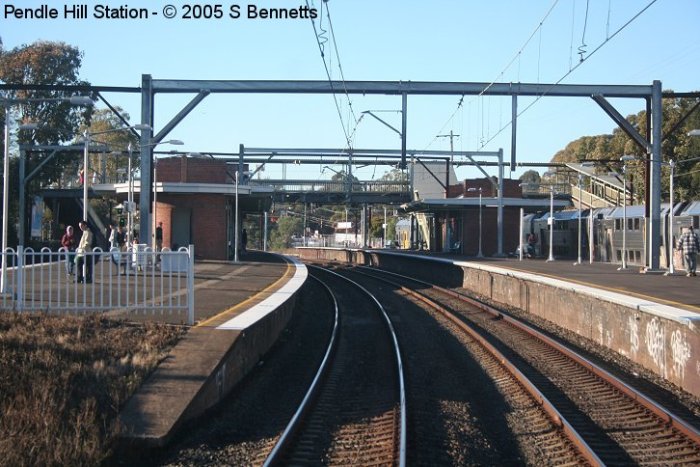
(64, 379)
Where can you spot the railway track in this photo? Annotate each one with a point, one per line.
(354, 411)
(608, 421)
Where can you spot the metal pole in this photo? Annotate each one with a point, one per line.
(22, 200)
(580, 195)
(155, 201)
(520, 233)
(590, 234)
(499, 222)
(384, 229)
(551, 224)
(235, 226)
(86, 150)
(671, 266)
(5, 199)
(130, 202)
(304, 237)
(480, 254)
(624, 219)
(265, 234)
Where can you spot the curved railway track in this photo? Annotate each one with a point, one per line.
(354, 411)
(610, 422)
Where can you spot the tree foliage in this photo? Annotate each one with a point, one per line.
(287, 227)
(42, 63)
(676, 146)
(530, 176)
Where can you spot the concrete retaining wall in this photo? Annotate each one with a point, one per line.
(247, 349)
(660, 338)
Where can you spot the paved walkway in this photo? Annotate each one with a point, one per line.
(675, 290)
(181, 386)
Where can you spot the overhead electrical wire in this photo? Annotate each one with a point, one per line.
(505, 69)
(321, 39)
(583, 59)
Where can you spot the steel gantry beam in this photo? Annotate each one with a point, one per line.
(653, 94)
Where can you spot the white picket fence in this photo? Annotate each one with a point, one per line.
(139, 280)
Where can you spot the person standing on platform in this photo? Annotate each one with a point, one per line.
(688, 243)
(112, 236)
(83, 258)
(159, 236)
(244, 240)
(68, 242)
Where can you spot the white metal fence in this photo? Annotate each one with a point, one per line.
(139, 280)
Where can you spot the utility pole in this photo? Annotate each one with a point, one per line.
(452, 136)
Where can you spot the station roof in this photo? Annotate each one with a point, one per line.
(529, 204)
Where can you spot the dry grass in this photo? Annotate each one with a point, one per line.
(63, 381)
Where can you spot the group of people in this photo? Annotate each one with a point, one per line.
(75, 251)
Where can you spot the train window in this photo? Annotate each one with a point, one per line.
(617, 224)
(695, 222)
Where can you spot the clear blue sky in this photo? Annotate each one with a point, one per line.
(440, 40)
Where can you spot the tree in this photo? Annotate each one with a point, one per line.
(287, 226)
(530, 176)
(42, 63)
(676, 145)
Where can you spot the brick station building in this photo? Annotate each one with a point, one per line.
(195, 201)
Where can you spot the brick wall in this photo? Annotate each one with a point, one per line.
(207, 222)
(191, 170)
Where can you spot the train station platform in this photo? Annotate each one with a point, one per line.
(652, 319)
(240, 309)
(674, 290)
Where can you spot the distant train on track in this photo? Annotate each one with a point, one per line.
(607, 232)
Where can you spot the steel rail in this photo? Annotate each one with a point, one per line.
(555, 416)
(648, 403)
(399, 364)
(276, 455)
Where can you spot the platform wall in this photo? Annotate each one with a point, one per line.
(660, 342)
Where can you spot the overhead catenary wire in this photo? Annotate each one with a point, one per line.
(500, 75)
(583, 60)
(322, 40)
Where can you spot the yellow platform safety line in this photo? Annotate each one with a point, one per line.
(220, 315)
(683, 306)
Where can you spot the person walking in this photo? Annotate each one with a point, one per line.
(68, 242)
(112, 236)
(159, 236)
(688, 243)
(83, 259)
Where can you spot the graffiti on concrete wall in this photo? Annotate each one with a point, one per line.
(680, 350)
(655, 339)
(633, 328)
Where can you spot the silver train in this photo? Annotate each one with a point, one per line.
(607, 232)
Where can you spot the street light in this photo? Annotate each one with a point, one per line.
(7, 103)
(624, 160)
(175, 142)
(235, 237)
(479, 254)
(671, 267)
(580, 199)
(551, 223)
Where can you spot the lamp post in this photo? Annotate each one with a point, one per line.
(671, 267)
(580, 196)
(551, 223)
(235, 223)
(624, 160)
(480, 254)
(175, 142)
(8, 103)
